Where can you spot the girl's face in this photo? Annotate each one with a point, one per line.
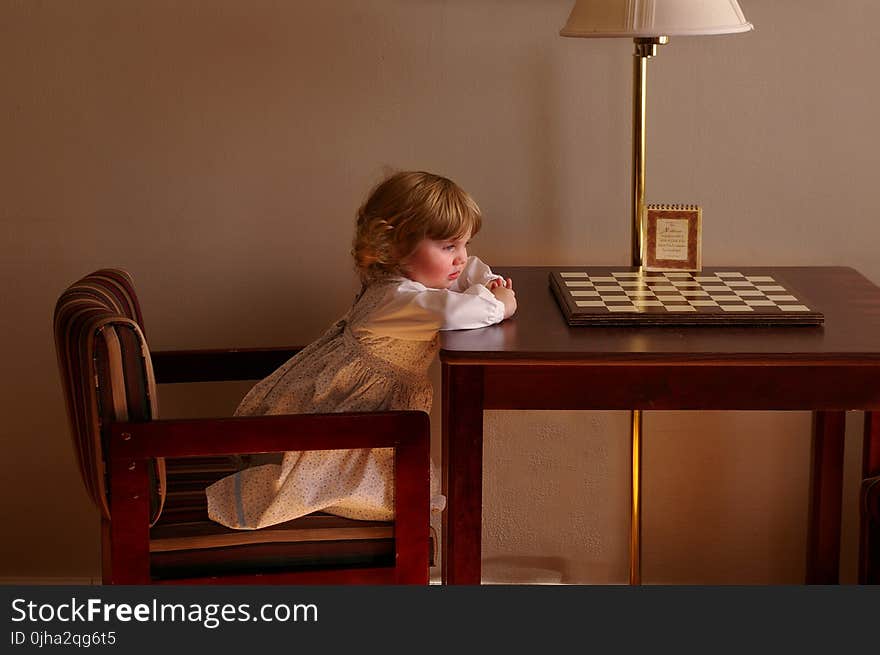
(437, 264)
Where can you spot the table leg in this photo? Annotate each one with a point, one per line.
(826, 494)
(868, 573)
(462, 473)
(871, 446)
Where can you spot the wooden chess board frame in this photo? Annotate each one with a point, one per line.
(714, 296)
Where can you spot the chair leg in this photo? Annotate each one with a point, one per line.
(129, 527)
(412, 520)
(826, 496)
(871, 448)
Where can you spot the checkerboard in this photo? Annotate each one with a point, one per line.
(604, 296)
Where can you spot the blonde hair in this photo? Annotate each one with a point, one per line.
(401, 211)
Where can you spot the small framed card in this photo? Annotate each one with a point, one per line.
(672, 238)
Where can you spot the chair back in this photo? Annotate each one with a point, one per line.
(107, 374)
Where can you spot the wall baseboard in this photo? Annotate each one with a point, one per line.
(35, 580)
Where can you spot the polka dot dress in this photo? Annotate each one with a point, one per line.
(348, 369)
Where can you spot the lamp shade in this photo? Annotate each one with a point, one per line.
(651, 18)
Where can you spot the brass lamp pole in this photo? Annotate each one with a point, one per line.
(645, 48)
(645, 21)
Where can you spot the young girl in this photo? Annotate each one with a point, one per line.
(410, 250)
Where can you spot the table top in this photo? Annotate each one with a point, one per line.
(538, 331)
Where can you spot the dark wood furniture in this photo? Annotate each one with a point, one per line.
(536, 361)
(869, 509)
(147, 476)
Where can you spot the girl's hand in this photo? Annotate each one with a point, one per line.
(498, 282)
(505, 293)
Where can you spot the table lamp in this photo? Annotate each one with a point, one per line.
(648, 23)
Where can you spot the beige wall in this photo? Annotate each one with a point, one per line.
(218, 150)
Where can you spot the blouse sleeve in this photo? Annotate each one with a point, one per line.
(414, 311)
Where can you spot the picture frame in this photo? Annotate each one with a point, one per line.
(672, 237)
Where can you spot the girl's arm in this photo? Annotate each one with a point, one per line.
(474, 308)
(413, 311)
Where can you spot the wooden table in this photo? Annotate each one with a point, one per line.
(536, 361)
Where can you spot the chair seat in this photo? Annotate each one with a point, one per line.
(315, 541)
(312, 528)
(185, 543)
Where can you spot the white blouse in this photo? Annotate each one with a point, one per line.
(410, 310)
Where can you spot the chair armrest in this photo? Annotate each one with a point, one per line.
(263, 434)
(174, 366)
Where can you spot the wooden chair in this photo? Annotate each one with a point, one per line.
(147, 476)
(869, 546)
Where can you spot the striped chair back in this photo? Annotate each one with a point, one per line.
(106, 373)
